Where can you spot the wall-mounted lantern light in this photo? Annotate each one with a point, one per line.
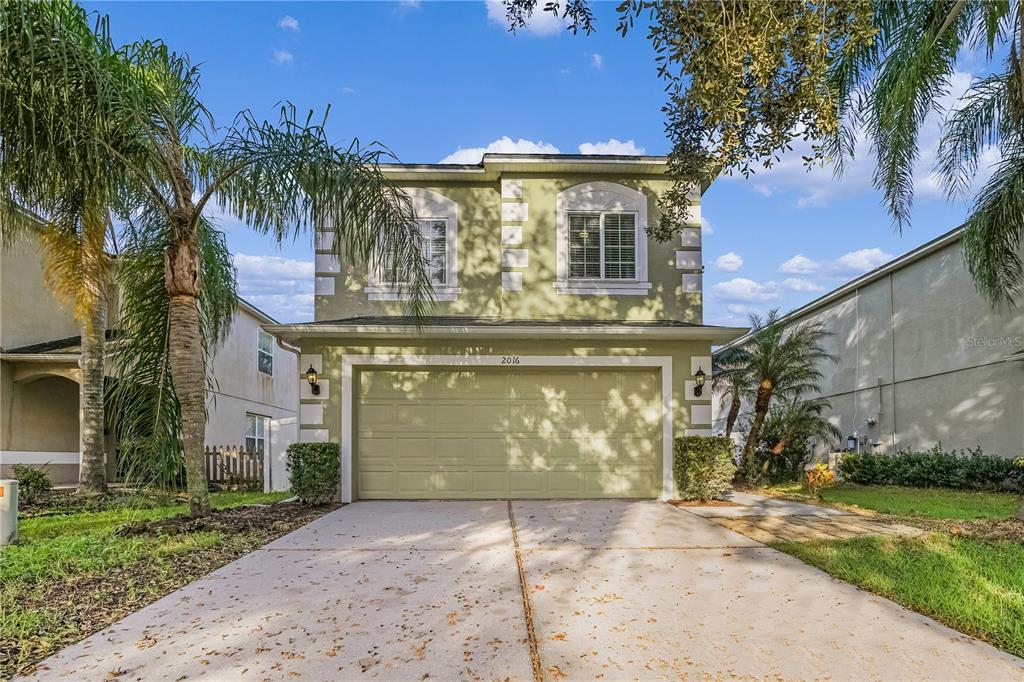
(851, 442)
(311, 377)
(698, 378)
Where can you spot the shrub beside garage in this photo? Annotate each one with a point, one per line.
(315, 471)
(935, 468)
(703, 467)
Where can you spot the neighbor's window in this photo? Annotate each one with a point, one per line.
(265, 353)
(255, 432)
(434, 244)
(602, 246)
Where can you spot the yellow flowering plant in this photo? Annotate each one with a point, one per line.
(819, 477)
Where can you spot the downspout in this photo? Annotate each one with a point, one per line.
(892, 341)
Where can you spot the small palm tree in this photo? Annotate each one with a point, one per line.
(731, 382)
(780, 360)
(795, 423)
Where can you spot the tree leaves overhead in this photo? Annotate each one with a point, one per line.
(746, 79)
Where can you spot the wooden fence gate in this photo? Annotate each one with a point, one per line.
(233, 466)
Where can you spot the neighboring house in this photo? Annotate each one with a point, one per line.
(922, 358)
(561, 355)
(253, 398)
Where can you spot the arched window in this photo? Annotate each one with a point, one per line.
(602, 240)
(438, 219)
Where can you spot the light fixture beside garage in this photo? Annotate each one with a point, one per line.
(698, 378)
(312, 377)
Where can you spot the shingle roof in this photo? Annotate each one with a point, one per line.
(54, 345)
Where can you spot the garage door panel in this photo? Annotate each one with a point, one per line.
(519, 433)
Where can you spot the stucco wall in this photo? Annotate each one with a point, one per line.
(921, 353)
(28, 312)
(238, 388)
(320, 417)
(480, 266)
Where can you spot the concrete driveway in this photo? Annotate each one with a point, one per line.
(435, 590)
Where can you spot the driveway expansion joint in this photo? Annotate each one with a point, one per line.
(531, 635)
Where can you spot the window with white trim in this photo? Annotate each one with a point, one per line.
(602, 246)
(255, 431)
(434, 246)
(438, 221)
(265, 353)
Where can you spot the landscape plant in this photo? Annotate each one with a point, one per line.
(818, 478)
(315, 471)
(788, 435)
(703, 467)
(934, 468)
(34, 484)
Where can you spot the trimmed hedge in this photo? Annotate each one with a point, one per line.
(703, 467)
(315, 471)
(935, 468)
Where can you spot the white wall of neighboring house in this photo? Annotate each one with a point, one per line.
(922, 358)
(239, 389)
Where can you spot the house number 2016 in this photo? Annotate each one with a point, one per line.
(510, 359)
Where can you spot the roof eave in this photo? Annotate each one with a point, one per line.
(295, 332)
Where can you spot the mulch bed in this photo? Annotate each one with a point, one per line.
(702, 503)
(86, 604)
(978, 529)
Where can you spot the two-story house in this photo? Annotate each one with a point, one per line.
(563, 354)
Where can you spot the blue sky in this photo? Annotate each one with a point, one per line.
(444, 80)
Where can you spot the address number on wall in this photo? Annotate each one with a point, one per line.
(510, 359)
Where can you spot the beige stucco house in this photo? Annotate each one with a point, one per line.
(922, 358)
(560, 357)
(252, 400)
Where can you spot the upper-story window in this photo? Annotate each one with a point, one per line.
(264, 353)
(602, 240)
(602, 246)
(438, 219)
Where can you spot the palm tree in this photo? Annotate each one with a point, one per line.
(780, 360)
(893, 84)
(50, 165)
(795, 422)
(283, 179)
(731, 382)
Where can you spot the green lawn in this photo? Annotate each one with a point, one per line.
(70, 573)
(974, 586)
(939, 503)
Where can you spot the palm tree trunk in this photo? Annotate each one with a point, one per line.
(181, 274)
(92, 479)
(734, 413)
(764, 397)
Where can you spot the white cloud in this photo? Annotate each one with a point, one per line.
(729, 262)
(411, 4)
(862, 260)
(283, 287)
(503, 145)
(819, 187)
(852, 263)
(800, 284)
(288, 23)
(612, 146)
(706, 228)
(283, 57)
(744, 290)
(348, 91)
(540, 23)
(740, 309)
(596, 60)
(566, 71)
(800, 265)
